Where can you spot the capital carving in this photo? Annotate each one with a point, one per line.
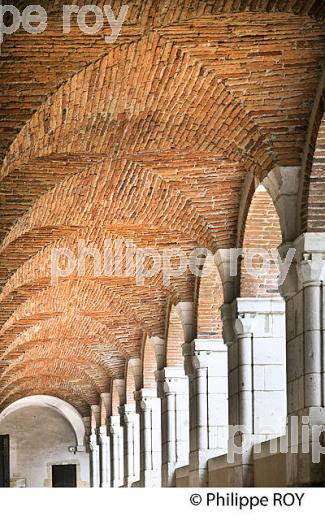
(310, 258)
(102, 435)
(93, 446)
(114, 424)
(244, 324)
(311, 268)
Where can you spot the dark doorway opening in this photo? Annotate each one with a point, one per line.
(4, 461)
(64, 475)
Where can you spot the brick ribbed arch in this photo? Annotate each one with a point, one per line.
(150, 140)
(67, 373)
(262, 234)
(149, 363)
(71, 353)
(57, 389)
(57, 392)
(209, 300)
(174, 340)
(129, 385)
(141, 16)
(313, 203)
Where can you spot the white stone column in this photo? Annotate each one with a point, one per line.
(149, 408)
(94, 461)
(131, 428)
(117, 451)
(257, 383)
(206, 365)
(305, 295)
(173, 387)
(105, 457)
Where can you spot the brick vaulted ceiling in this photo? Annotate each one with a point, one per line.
(146, 140)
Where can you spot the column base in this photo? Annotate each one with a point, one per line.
(168, 472)
(198, 467)
(130, 482)
(151, 478)
(305, 460)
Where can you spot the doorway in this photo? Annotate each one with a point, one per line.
(4, 461)
(64, 475)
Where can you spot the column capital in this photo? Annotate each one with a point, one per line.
(128, 412)
(201, 353)
(114, 423)
(205, 351)
(102, 435)
(243, 314)
(310, 258)
(172, 379)
(244, 324)
(93, 445)
(147, 398)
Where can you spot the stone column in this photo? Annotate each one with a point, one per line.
(257, 385)
(304, 294)
(173, 388)
(206, 365)
(94, 461)
(93, 446)
(105, 457)
(131, 428)
(149, 409)
(117, 451)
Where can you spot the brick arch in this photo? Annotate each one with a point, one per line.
(74, 335)
(183, 101)
(138, 21)
(45, 222)
(313, 197)
(115, 400)
(236, 92)
(113, 299)
(73, 325)
(34, 345)
(70, 364)
(64, 370)
(92, 293)
(78, 403)
(129, 385)
(209, 300)
(262, 232)
(48, 132)
(149, 363)
(174, 339)
(59, 388)
(82, 297)
(133, 378)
